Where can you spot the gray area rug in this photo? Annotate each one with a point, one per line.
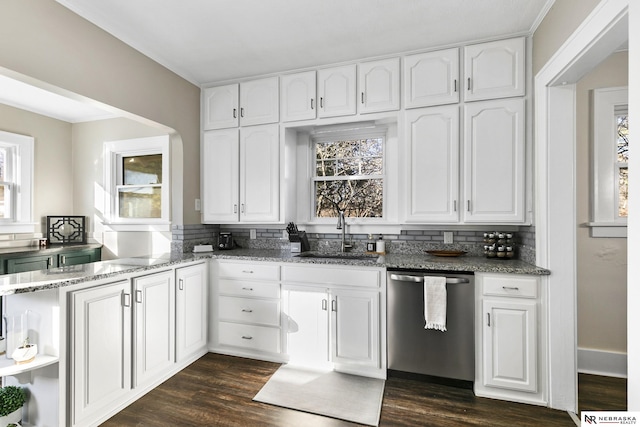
(333, 394)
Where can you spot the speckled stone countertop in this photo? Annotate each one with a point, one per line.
(33, 281)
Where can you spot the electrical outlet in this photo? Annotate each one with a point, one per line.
(448, 236)
(252, 234)
(285, 235)
(198, 206)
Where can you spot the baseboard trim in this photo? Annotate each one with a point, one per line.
(606, 363)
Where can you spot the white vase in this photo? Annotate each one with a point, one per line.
(13, 417)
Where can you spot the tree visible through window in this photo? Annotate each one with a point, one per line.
(349, 177)
(622, 121)
(139, 196)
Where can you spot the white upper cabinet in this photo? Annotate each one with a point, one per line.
(298, 96)
(434, 164)
(494, 69)
(494, 161)
(337, 91)
(241, 175)
(220, 172)
(220, 105)
(431, 78)
(379, 86)
(259, 102)
(248, 103)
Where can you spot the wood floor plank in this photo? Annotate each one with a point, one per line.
(218, 390)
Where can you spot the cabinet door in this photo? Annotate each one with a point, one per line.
(191, 311)
(154, 315)
(259, 102)
(379, 85)
(355, 327)
(431, 78)
(78, 257)
(337, 91)
(220, 107)
(494, 69)
(306, 325)
(509, 341)
(298, 96)
(31, 263)
(260, 174)
(433, 185)
(494, 161)
(100, 349)
(220, 174)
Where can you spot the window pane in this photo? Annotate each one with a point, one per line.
(140, 202)
(623, 188)
(360, 198)
(142, 170)
(623, 138)
(4, 201)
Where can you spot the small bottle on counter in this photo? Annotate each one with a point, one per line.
(371, 244)
(380, 245)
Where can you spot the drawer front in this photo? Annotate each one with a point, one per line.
(237, 270)
(243, 288)
(510, 286)
(332, 275)
(264, 312)
(259, 338)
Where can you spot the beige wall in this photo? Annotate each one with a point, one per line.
(564, 17)
(88, 176)
(53, 194)
(602, 262)
(43, 40)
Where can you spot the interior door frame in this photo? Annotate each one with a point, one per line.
(600, 34)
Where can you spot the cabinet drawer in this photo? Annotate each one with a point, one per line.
(260, 338)
(243, 288)
(332, 275)
(510, 286)
(265, 312)
(236, 270)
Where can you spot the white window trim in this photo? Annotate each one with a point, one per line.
(305, 173)
(22, 193)
(605, 221)
(113, 150)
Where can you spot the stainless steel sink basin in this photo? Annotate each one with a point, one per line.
(346, 256)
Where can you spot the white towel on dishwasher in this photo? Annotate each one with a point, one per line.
(435, 303)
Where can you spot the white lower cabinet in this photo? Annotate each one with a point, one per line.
(510, 359)
(125, 338)
(330, 321)
(100, 350)
(246, 303)
(191, 311)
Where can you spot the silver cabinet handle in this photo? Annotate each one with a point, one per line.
(455, 206)
(63, 259)
(247, 272)
(247, 337)
(468, 83)
(247, 310)
(489, 319)
(247, 289)
(362, 97)
(139, 296)
(126, 300)
(312, 103)
(468, 205)
(241, 111)
(455, 85)
(334, 305)
(417, 279)
(181, 284)
(511, 288)
(324, 305)
(242, 208)
(235, 208)
(235, 113)
(50, 261)
(321, 103)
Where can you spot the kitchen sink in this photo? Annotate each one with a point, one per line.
(338, 256)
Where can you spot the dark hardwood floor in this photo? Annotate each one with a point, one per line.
(217, 390)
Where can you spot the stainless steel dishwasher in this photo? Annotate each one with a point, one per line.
(412, 349)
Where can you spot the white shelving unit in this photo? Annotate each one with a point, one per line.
(8, 367)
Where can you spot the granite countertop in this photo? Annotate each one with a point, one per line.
(34, 250)
(65, 276)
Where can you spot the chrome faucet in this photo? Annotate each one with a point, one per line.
(342, 226)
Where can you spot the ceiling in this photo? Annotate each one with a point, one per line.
(209, 41)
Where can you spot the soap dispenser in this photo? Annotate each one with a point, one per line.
(371, 244)
(380, 245)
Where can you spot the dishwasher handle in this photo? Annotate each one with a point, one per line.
(409, 278)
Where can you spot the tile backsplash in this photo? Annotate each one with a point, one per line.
(407, 242)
